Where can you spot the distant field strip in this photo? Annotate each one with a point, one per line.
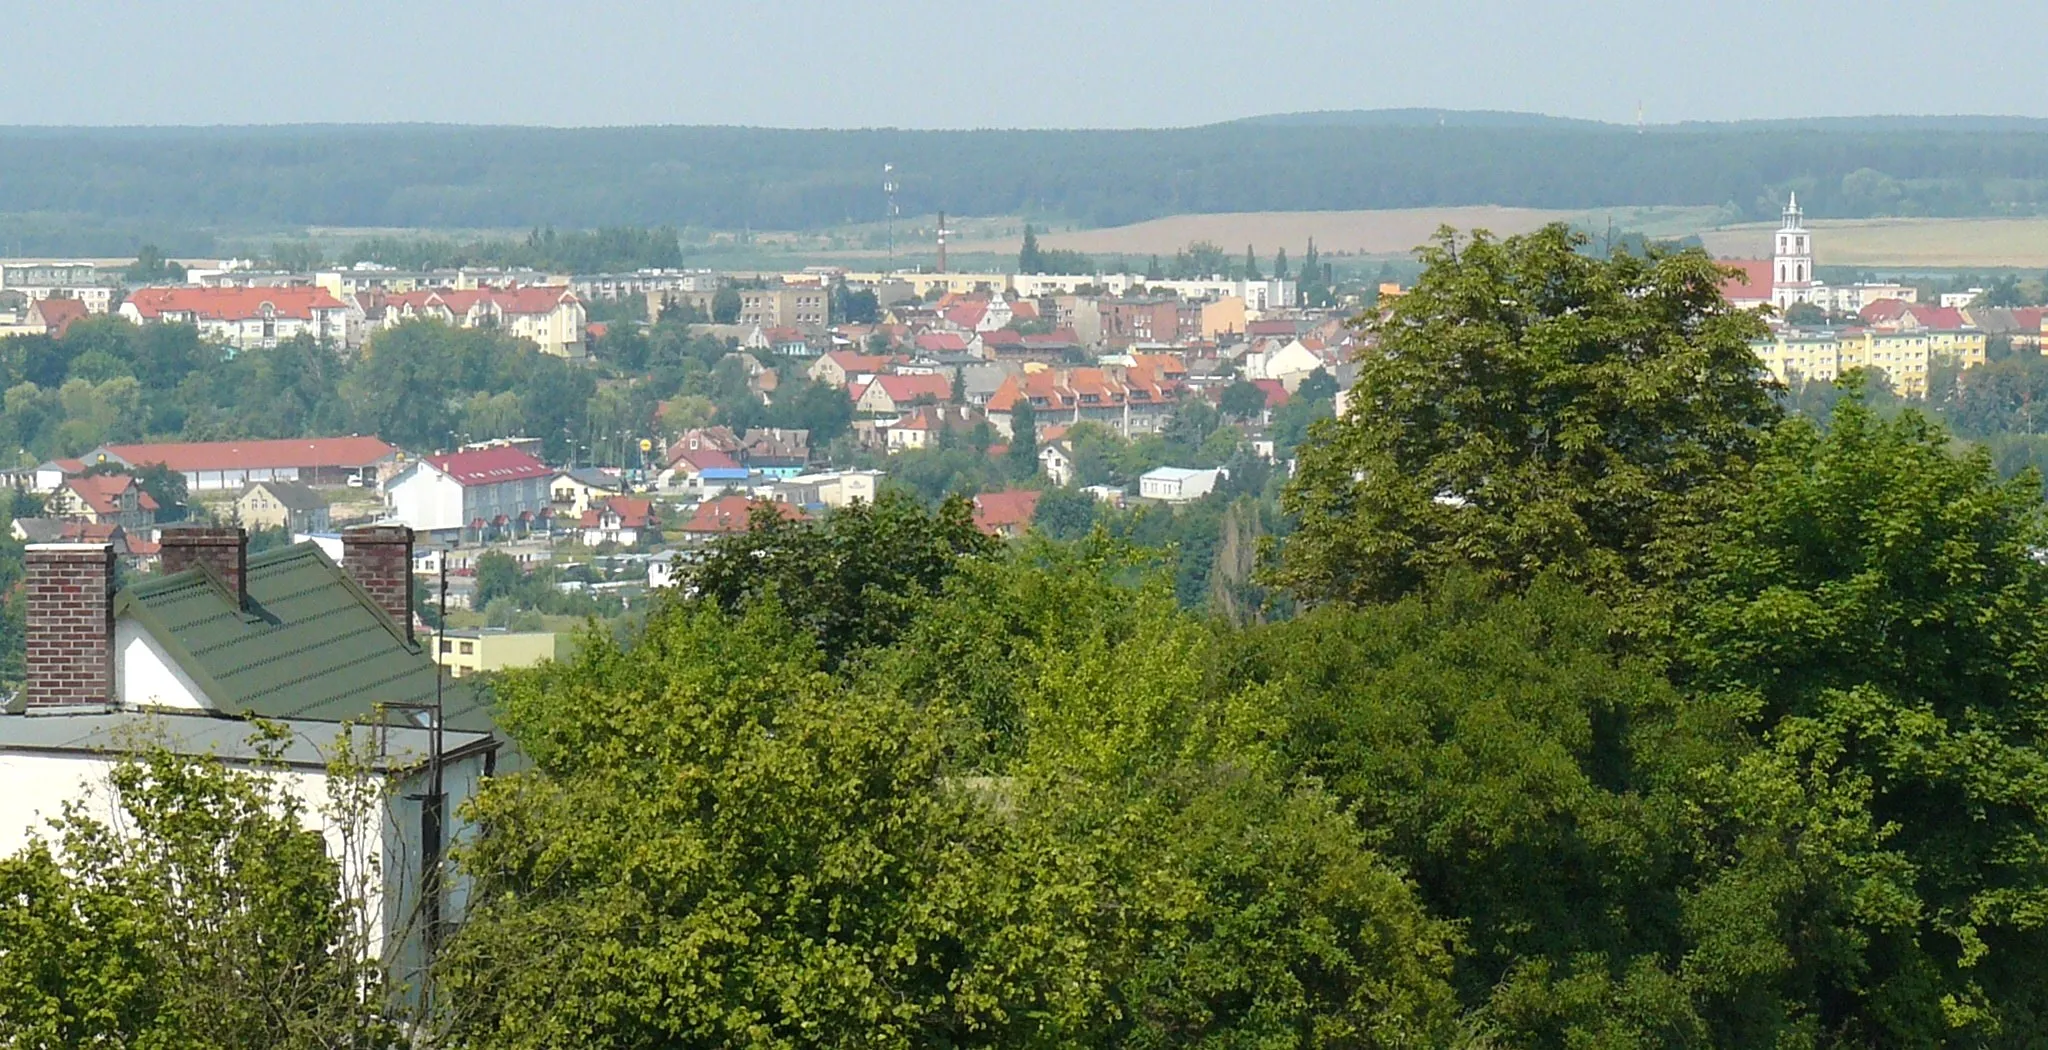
(1903, 242)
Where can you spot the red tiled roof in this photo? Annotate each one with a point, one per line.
(194, 456)
(705, 459)
(904, 389)
(633, 513)
(1883, 310)
(517, 299)
(1938, 317)
(941, 342)
(232, 304)
(57, 314)
(489, 466)
(1276, 392)
(1751, 282)
(728, 514)
(102, 492)
(1012, 509)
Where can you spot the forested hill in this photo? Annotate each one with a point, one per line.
(730, 178)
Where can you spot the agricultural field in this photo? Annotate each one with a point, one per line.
(1931, 243)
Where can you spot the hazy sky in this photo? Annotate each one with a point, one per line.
(1065, 63)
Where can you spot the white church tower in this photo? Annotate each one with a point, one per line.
(1792, 260)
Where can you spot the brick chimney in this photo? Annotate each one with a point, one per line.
(70, 624)
(379, 559)
(222, 548)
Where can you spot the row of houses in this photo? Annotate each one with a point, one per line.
(261, 316)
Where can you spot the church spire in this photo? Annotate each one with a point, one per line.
(1792, 213)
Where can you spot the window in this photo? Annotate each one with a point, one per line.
(447, 646)
(469, 648)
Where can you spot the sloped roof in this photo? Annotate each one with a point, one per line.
(730, 513)
(310, 644)
(1752, 280)
(633, 513)
(904, 388)
(994, 511)
(489, 466)
(102, 492)
(192, 456)
(300, 302)
(56, 314)
(291, 494)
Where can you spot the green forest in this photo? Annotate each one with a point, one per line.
(1605, 702)
(108, 190)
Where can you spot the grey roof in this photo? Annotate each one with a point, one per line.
(295, 496)
(308, 745)
(595, 478)
(310, 644)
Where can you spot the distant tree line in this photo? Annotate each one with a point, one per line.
(208, 179)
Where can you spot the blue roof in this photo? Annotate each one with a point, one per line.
(725, 473)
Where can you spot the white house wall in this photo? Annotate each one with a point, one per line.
(146, 676)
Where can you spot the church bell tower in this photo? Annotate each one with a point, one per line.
(1792, 259)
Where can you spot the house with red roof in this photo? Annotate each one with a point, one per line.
(1131, 400)
(1006, 514)
(246, 318)
(231, 465)
(488, 491)
(730, 514)
(891, 395)
(104, 499)
(621, 519)
(841, 367)
(54, 316)
(549, 315)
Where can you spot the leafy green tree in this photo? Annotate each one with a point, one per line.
(1318, 385)
(1242, 400)
(1280, 269)
(1064, 513)
(1532, 408)
(1875, 604)
(1029, 260)
(497, 576)
(851, 581)
(1023, 454)
(720, 845)
(203, 913)
(1251, 265)
(725, 305)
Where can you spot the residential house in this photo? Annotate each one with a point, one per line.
(621, 520)
(54, 317)
(834, 489)
(841, 367)
(923, 427)
(104, 499)
(1136, 402)
(487, 491)
(574, 491)
(729, 514)
(288, 505)
(1006, 514)
(188, 658)
(550, 315)
(1178, 484)
(778, 452)
(700, 472)
(49, 475)
(890, 395)
(1056, 459)
(212, 466)
(468, 652)
(246, 318)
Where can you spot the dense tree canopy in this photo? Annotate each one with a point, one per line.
(1528, 407)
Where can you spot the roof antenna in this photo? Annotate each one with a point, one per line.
(1639, 116)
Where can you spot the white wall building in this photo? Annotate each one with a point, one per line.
(487, 489)
(1178, 484)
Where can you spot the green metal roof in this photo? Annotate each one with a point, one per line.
(310, 644)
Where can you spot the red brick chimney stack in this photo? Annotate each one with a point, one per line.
(224, 549)
(70, 624)
(379, 559)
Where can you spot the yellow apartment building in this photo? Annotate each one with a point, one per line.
(1904, 357)
(466, 652)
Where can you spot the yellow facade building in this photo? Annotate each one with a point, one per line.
(466, 652)
(1905, 357)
